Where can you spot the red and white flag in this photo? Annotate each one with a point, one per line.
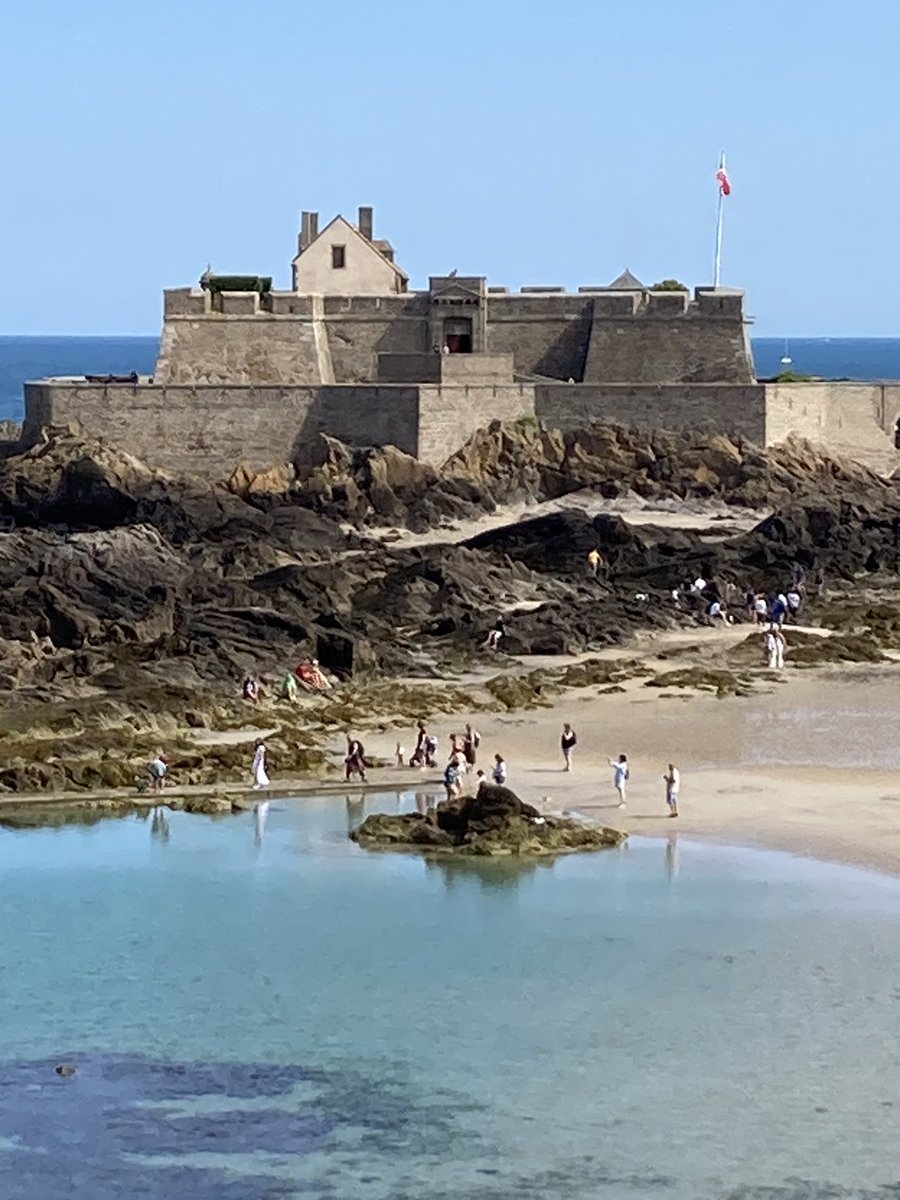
(724, 181)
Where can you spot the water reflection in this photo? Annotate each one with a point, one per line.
(159, 824)
(673, 863)
(491, 874)
(260, 816)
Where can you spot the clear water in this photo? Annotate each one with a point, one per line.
(24, 358)
(299, 1018)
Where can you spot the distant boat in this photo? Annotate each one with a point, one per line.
(786, 358)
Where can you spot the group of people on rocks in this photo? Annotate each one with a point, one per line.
(306, 675)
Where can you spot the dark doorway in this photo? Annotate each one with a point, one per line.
(458, 335)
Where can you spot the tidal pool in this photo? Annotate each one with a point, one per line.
(259, 1014)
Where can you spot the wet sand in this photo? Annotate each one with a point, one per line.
(811, 767)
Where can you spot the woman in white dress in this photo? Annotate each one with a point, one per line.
(260, 778)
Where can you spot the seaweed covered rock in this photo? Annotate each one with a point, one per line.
(494, 822)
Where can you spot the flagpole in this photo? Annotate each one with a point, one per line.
(717, 269)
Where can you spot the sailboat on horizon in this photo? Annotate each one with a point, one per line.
(786, 359)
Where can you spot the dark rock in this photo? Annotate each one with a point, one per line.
(495, 822)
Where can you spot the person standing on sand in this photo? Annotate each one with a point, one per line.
(499, 771)
(471, 742)
(775, 647)
(420, 754)
(673, 783)
(620, 766)
(260, 776)
(567, 742)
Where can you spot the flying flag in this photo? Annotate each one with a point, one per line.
(724, 190)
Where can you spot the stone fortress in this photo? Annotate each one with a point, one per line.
(246, 374)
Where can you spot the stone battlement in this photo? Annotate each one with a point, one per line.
(249, 375)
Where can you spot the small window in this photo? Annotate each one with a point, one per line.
(338, 257)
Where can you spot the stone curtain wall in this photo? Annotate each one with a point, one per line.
(858, 419)
(203, 430)
(359, 328)
(207, 430)
(738, 410)
(449, 415)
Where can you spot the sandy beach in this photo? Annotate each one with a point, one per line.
(809, 765)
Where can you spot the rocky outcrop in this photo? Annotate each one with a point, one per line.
(493, 823)
(135, 601)
(518, 461)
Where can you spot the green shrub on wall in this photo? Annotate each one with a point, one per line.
(792, 377)
(237, 283)
(670, 285)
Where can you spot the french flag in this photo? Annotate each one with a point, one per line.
(724, 181)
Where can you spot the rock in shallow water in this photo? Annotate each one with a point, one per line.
(495, 822)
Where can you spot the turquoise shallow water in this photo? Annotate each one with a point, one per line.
(298, 1018)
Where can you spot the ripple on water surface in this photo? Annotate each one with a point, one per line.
(288, 1016)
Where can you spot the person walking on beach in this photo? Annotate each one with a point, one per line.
(567, 743)
(452, 777)
(499, 772)
(761, 608)
(673, 782)
(471, 742)
(355, 762)
(260, 776)
(620, 779)
(775, 646)
(426, 745)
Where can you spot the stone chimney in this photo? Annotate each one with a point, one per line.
(309, 230)
(365, 223)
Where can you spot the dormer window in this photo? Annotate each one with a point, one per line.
(338, 257)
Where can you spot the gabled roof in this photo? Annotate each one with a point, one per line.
(626, 282)
(373, 246)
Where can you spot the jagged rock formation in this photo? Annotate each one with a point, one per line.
(152, 597)
(510, 463)
(494, 823)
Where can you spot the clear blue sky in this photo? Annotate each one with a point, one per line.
(535, 142)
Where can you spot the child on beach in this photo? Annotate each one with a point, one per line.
(499, 771)
(620, 766)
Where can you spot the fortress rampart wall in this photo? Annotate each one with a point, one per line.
(858, 419)
(359, 328)
(281, 337)
(261, 349)
(736, 409)
(208, 429)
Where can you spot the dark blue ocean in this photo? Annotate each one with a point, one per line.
(24, 358)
